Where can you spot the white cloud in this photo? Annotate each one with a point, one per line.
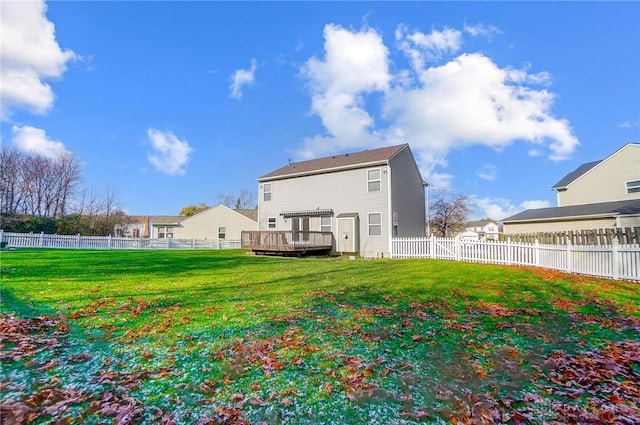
(242, 78)
(29, 54)
(628, 124)
(421, 48)
(481, 30)
(488, 172)
(354, 64)
(34, 140)
(170, 155)
(498, 208)
(466, 100)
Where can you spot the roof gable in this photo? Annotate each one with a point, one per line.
(245, 213)
(585, 168)
(335, 162)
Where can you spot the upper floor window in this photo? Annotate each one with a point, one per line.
(375, 224)
(633, 186)
(272, 222)
(373, 180)
(222, 232)
(267, 191)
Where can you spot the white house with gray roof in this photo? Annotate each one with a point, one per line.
(597, 195)
(361, 200)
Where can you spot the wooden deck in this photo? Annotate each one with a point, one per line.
(287, 242)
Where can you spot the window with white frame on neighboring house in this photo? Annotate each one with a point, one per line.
(325, 224)
(633, 186)
(165, 232)
(267, 192)
(375, 224)
(222, 232)
(373, 180)
(272, 222)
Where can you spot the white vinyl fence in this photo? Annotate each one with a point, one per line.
(41, 240)
(614, 261)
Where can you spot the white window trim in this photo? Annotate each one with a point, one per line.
(330, 225)
(369, 224)
(265, 191)
(636, 186)
(379, 179)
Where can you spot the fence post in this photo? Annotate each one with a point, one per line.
(536, 254)
(41, 239)
(457, 248)
(109, 242)
(1, 236)
(78, 241)
(509, 253)
(569, 256)
(432, 246)
(615, 259)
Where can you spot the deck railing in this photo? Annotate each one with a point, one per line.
(286, 241)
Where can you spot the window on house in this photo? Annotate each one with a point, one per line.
(395, 224)
(325, 224)
(633, 186)
(375, 224)
(222, 232)
(272, 222)
(373, 180)
(267, 191)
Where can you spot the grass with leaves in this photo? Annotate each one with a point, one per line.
(224, 337)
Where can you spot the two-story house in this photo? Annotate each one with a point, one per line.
(597, 195)
(360, 200)
(484, 229)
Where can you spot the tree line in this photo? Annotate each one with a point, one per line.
(43, 194)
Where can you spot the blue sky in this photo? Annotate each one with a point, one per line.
(174, 103)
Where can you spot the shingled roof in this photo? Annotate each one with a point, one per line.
(569, 178)
(613, 209)
(348, 160)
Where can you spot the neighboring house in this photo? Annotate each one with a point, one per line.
(363, 199)
(483, 230)
(615, 178)
(138, 226)
(219, 223)
(163, 226)
(597, 195)
(215, 223)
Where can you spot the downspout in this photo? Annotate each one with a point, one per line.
(389, 212)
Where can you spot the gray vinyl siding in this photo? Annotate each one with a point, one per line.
(343, 192)
(606, 181)
(408, 195)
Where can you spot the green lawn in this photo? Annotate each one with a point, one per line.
(223, 337)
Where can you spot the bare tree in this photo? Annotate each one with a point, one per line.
(449, 213)
(243, 200)
(36, 185)
(10, 180)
